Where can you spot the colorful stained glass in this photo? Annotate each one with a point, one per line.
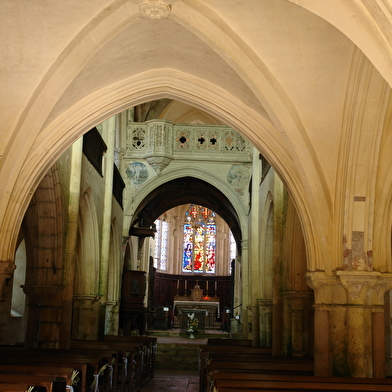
(210, 242)
(157, 242)
(188, 248)
(160, 253)
(233, 250)
(163, 256)
(199, 240)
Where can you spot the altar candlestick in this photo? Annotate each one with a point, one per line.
(185, 286)
(207, 286)
(178, 284)
(216, 283)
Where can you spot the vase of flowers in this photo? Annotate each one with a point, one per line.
(192, 326)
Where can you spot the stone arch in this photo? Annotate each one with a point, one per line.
(43, 228)
(181, 190)
(75, 117)
(43, 232)
(175, 175)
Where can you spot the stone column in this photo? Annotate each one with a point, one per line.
(112, 318)
(88, 317)
(245, 333)
(45, 315)
(6, 272)
(388, 340)
(297, 323)
(349, 323)
(255, 326)
(265, 317)
(109, 131)
(71, 225)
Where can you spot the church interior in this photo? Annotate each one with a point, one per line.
(223, 161)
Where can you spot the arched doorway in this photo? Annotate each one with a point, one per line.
(175, 283)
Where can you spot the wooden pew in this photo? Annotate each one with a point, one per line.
(239, 368)
(16, 387)
(86, 363)
(262, 366)
(149, 349)
(243, 379)
(250, 359)
(113, 378)
(139, 363)
(294, 386)
(227, 375)
(16, 381)
(38, 370)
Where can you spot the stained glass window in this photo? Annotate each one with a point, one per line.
(160, 255)
(233, 250)
(199, 240)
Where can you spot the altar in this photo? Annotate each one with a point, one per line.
(208, 306)
(206, 311)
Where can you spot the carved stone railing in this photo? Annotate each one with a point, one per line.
(161, 141)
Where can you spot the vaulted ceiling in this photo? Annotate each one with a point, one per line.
(307, 82)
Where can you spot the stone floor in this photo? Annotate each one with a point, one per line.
(176, 380)
(172, 380)
(168, 380)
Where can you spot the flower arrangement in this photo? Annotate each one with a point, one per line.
(193, 324)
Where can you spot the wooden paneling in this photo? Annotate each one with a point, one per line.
(166, 286)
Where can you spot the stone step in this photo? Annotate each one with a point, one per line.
(216, 334)
(177, 356)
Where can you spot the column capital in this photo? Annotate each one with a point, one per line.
(365, 288)
(327, 289)
(350, 287)
(39, 293)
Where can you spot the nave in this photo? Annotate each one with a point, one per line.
(276, 112)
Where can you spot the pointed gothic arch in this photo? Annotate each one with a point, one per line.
(185, 190)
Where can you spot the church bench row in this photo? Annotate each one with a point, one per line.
(141, 352)
(23, 381)
(30, 372)
(125, 362)
(250, 359)
(229, 375)
(240, 378)
(50, 359)
(250, 369)
(245, 385)
(149, 350)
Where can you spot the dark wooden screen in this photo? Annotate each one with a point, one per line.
(165, 288)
